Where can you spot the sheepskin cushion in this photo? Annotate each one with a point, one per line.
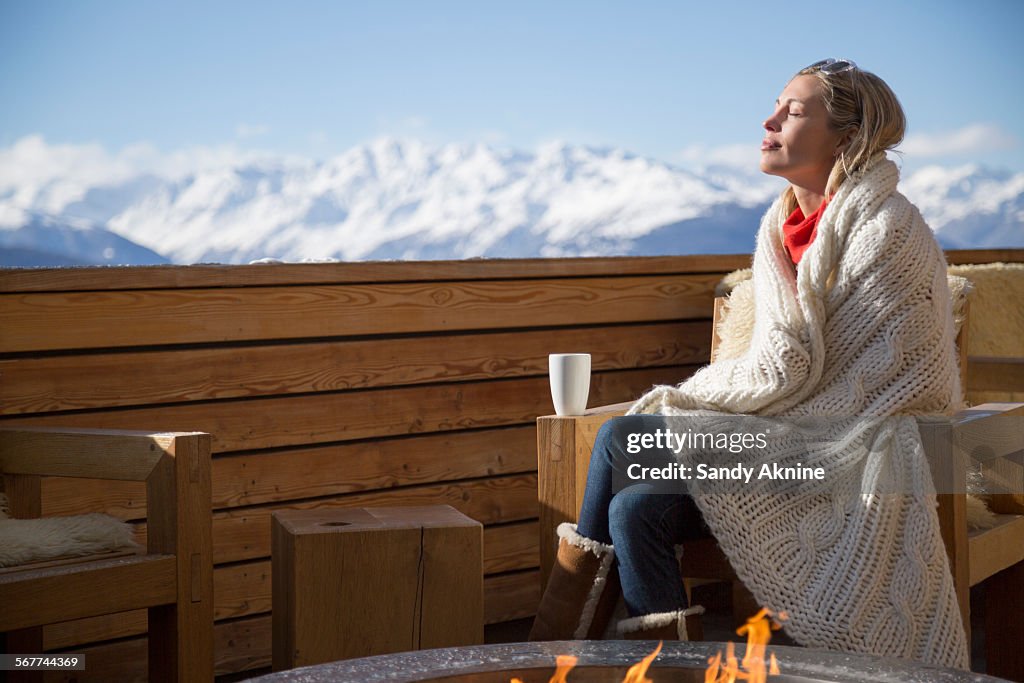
(996, 327)
(23, 541)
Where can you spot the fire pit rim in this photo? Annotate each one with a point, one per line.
(423, 665)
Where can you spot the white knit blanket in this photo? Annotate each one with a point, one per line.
(863, 329)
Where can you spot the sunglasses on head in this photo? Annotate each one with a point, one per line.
(832, 66)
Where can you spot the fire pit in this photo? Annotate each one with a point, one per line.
(607, 662)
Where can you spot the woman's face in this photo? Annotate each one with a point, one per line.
(799, 143)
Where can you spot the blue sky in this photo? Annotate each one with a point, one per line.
(679, 81)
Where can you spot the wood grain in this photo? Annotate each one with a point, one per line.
(510, 547)
(239, 646)
(174, 277)
(128, 456)
(86, 631)
(964, 256)
(276, 363)
(245, 644)
(150, 277)
(310, 419)
(995, 374)
(996, 549)
(244, 534)
(37, 597)
(174, 581)
(240, 590)
(368, 581)
(39, 321)
(104, 380)
(564, 445)
(352, 568)
(511, 596)
(244, 589)
(452, 595)
(291, 474)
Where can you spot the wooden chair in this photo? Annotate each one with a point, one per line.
(996, 555)
(174, 579)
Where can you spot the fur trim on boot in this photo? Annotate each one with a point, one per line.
(682, 624)
(581, 592)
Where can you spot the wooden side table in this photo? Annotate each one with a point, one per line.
(367, 581)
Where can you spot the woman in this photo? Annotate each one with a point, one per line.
(852, 323)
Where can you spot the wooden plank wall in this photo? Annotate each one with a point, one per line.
(333, 385)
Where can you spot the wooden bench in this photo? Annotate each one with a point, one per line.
(174, 579)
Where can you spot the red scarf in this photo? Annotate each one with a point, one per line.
(798, 232)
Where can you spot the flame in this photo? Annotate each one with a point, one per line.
(752, 669)
(637, 672)
(563, 665)
(758, 630)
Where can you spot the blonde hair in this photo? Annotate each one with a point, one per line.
(862, 107)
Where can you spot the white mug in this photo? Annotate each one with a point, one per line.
(570, 382)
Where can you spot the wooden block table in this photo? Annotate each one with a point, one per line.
(368, 581)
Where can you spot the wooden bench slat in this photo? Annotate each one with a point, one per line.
(511, 596)
(159, 277)
(104, 380)
(31, 601)
(993, 550)
(992, 434)
(511, 547)
(238, 646)
(126, 456)
(37, 322)
(292, 474)
(239, 590)
(212, 275)
(318, 418)
(244, 533)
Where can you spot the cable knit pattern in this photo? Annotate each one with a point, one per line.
(863, 336)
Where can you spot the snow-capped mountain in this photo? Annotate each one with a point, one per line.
(405, 199)
(970, 207)
(67, 241)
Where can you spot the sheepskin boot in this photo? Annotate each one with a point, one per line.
(682, 624)
(581, 592)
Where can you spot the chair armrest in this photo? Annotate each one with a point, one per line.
(175, 466)
(564, 444)
(986, 434)
(93, 453)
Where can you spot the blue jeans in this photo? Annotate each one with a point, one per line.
(644, 526)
